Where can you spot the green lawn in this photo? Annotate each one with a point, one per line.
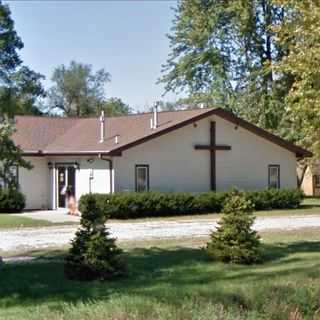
(174, 281)
(13, 221)
(309, 206)
(8, 221)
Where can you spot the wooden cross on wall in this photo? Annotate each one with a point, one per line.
(213, 147)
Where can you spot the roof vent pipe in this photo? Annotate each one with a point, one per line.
(116, 139)
(155, 116)
(151, 123)
(102, 127)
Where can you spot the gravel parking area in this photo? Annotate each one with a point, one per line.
(42, 237)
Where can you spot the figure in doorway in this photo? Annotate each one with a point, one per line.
(71, 203)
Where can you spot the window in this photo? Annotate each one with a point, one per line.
(317, 181)
(274, 176)
(11, 177)
(14, 174)
(142, 177)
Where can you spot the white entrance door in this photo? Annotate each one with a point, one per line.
(66, 184)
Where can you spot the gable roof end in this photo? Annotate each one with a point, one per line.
(300, 152)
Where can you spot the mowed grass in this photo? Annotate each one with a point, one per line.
(174, 280)
(309, 206)
(14, 221)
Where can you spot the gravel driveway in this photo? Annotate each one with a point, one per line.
(42, 237)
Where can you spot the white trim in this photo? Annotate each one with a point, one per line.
(54, 202)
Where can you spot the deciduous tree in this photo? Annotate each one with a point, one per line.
(114, 107)
(221, 53)
(20, 87)
(77, 90)
(10, 156)
(300, 32)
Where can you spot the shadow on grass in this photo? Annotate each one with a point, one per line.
(309, 206)
(280, 250)
(166, 274)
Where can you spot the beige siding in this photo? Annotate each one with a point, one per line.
(93, 175)
(246, 165)
(99, 182)
(176, 166)
(34, 184)
(38, 184)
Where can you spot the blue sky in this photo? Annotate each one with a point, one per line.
(127, 38)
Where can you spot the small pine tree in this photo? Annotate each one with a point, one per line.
(234, 241)
(93, 254)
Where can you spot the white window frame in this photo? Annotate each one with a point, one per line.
(274, 184)
(317, 180)
(146, 168)
(16, 174)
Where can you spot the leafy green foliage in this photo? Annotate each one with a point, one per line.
(10, 155)
(20, 87)
(94, 254)
(130, 205)
(114, 107)
(77, 90)
(275, 199)
(222, 54)
(301, 32)
(10, 42)
(11, 200)
(234, 241)
(153, 204)
(21, 97)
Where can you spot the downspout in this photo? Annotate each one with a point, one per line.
(110, 169)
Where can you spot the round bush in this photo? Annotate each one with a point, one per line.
(11, 200)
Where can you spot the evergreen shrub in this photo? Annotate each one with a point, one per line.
(11, 200)
(93, 254)
(235, 241)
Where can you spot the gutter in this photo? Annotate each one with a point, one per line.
(41, 153)
(110, 168)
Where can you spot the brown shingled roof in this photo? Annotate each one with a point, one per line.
(57, 135)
